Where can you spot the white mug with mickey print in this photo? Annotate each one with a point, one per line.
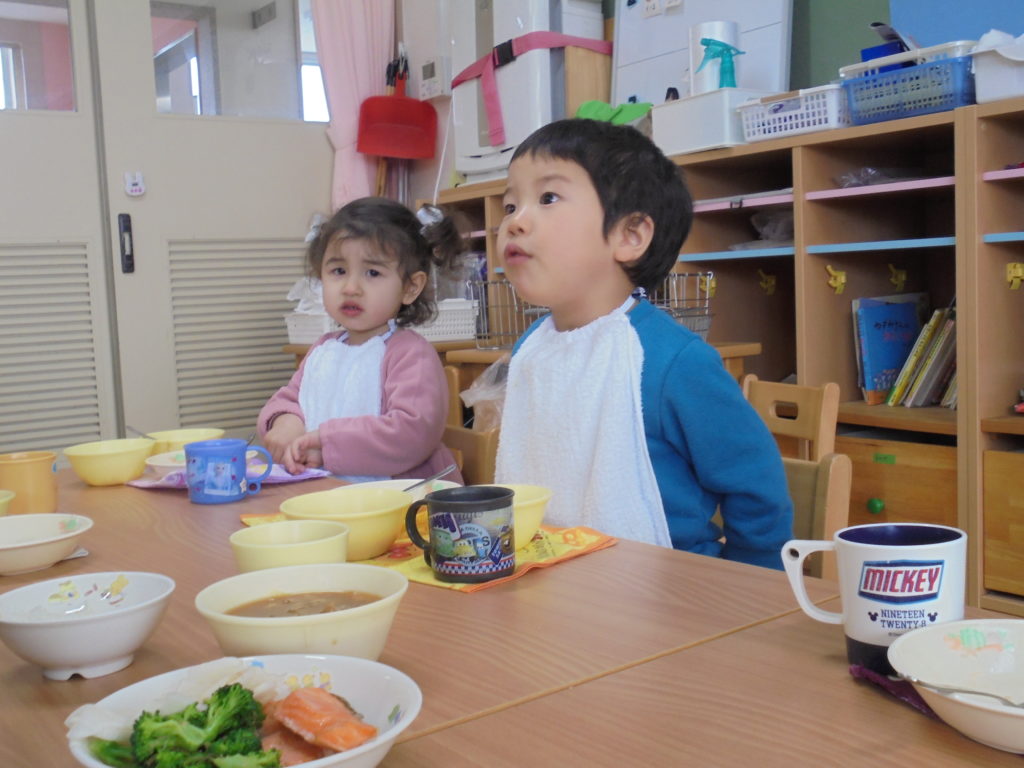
(893, 578)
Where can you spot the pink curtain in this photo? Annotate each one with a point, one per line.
(354, 42)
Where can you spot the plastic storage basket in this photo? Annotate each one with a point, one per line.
(940, 81)
(999, 73)
(455, 321)
(687, 297)
(812, 109)
(501, 315)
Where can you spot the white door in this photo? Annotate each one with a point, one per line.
(189, 334)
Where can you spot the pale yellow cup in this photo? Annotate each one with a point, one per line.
(289, 542)
(32, 475)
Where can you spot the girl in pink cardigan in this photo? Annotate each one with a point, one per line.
(369, 401)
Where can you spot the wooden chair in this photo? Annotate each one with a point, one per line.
(475, 451)
(451, 374)
(821, 502)
(802, 418)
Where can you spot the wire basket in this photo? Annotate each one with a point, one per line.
(687, 297)
(502, 316)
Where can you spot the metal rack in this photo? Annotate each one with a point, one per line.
(502, 316)
(687, 297)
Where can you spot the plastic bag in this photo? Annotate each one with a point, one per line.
(866, 176)
(308, 291)
(486, 395)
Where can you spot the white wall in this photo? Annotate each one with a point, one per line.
(422, 26)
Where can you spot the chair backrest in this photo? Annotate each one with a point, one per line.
(474, 450)
(798, 415)
(820, 491)
(451, 374)
(478, 450)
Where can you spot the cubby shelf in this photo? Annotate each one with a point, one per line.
(1003, 425)
(745, 203)
(884, 245)
(933, 420)
(746, 253)
(1003, 175)
(911, 185)
(1003, 237)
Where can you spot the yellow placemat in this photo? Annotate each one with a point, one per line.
(549, 546)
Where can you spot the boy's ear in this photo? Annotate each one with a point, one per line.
(632, 236)
(414, 287)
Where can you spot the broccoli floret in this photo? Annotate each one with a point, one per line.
(112, 753)
(231, 707)
(192, 714)
(174, 759)
(269, 759)
(240, 741)
(154, 734)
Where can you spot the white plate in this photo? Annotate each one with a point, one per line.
(384, 696)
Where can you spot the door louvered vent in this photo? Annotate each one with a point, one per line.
(228, 301)
(49, 390)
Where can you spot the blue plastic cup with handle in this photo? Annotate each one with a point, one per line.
(215, 471)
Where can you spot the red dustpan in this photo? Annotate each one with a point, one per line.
(397, 126)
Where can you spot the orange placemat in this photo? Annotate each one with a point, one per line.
(549, 546)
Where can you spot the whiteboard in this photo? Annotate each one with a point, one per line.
(651, 52)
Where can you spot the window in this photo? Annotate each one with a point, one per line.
(35, 55)
(314, 100)
(227, 57)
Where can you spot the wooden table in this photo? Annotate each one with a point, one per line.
(633, 655)
(777, 693)
(472, 654)
(471, 362)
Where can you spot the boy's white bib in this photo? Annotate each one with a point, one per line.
(572, 421)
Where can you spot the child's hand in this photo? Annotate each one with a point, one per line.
(304, 453)
(286, 430)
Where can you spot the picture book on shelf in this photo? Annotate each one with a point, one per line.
(885, 333)
(935, 369)
(916, 357)
(919, 299)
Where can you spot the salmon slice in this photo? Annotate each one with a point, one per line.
(324, 719)
(294, 749)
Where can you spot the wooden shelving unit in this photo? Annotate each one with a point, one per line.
(953, 225)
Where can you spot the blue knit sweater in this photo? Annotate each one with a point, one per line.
(708, 447)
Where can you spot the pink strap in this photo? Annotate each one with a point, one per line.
(484, 69)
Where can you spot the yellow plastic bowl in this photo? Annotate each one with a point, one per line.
(528, 505)
(360, 631)
(5, 500)
(374, 516)
(174, 439)
(110, 462)
(289, 542)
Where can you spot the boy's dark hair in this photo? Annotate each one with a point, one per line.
(631, 175)
(396, 231)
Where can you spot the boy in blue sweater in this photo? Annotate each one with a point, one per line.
(627, 415)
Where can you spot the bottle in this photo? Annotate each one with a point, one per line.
(716, 49)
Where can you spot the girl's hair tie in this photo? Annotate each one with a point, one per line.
(429, 216)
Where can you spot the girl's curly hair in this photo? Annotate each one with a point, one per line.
(396, 231)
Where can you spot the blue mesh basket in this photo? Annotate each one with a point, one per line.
(935, 86)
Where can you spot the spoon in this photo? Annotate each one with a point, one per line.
(134, 431)
(1015, 702)
(432, 478)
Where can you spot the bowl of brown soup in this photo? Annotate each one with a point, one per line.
(336, 608)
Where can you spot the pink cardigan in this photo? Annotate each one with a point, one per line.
(405, 440)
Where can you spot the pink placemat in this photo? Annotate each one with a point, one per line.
(278, 474)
